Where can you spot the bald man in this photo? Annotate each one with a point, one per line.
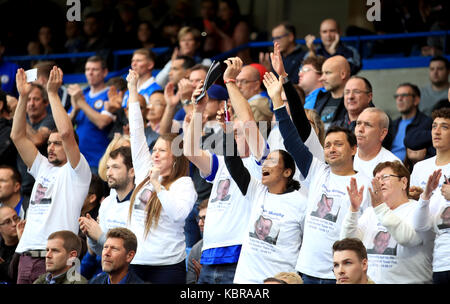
(331, 45)
(249, 84)
(330, 104)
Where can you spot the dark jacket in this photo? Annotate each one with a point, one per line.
(293, 61)
(418, 133)
(102, 278)
(321, 102)
(351, 54)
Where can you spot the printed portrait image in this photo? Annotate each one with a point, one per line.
(445, 217)
(381, 244)
(144, 197)
(263, 229)
(324, 207)
(222, 191)
(39, 196)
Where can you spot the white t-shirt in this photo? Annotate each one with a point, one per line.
(55, 202)
(112, 214)
(439, 223)
(367, 166)
(328, 203)
(274, 234)
(397, 254)
(419, 177)
(227, 215)
(164, 244)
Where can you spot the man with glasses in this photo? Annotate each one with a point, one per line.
(357, 97)
(308, 79)
(407, 98)
(371, 129)
(249, 84)
(194, 266)
(292, 53)
(8, 241)
(388, 223)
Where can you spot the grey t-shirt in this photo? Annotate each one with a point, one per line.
(429, 98)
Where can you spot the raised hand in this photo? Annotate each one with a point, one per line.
(74, 91)
(415, 192)
(132, 80)
(274, 86)
(277, 60)
(234, 67)
(55, 80)
(172, 99)
(185, 88)
(201, 104)
(334, 44)
(114, 102)
(376, 196)
(20, 227)
(23, 87)
(432, 183)
(309, 39)
(355, 195)
(264, 59)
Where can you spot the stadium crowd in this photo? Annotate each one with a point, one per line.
(284, 170)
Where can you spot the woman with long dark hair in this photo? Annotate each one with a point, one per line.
(278, 211)
(163, 197)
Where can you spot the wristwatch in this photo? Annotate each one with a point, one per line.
(185, 102)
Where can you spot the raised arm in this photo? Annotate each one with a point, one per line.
(242, 108)
(292, 141)
(172, 99)
(298, 114)
(62, 121)
(140, 152)
(192, 136)
(422, 218)
(24, 145)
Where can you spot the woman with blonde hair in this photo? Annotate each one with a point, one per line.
(163, 197)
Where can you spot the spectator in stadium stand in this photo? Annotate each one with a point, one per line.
(38, 127)
(331, 45)
(62, 179)
(437, 88)
(8, 241)
(189, 43)
(10, 185)
(408, 99)
(93, 122)
(7, 73)
(330, 104)
(309, 79)
(8, 152)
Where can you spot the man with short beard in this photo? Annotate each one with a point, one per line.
(436, 90)
(113, 210)
(62, 179)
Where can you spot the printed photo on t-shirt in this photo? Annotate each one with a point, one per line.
(223, 188)
(324, 209)
(265, 230)
(39, 196)
(383, 244)
(444, 220)
(144, 197)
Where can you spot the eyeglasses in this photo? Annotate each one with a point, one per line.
(307, 69)
(356, 92)
(386, 176)
(403, 95)
(201, 218)
(244, 81)
(279, 37)
(9, 221)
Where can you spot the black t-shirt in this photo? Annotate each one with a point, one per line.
(6, 253)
